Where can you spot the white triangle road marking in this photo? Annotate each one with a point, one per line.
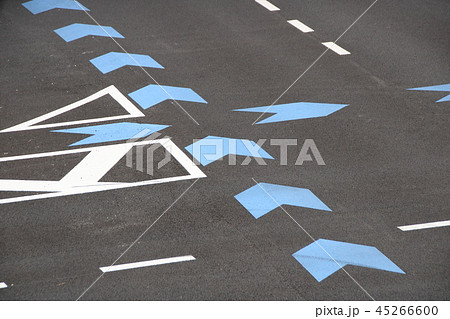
(132, 110)
(85, 176)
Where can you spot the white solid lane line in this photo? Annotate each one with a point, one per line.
(266, 4)
(147, 263)
(301, 26)
(334, 47)
(425, 225)
(3, 285)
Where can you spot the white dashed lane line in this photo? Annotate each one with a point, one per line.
(3, 285)
(336, 48)
(147, 263)
(301, 26)
(425, 225)
(266, 4)
(304, 28)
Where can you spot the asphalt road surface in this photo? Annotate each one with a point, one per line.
(386, 152)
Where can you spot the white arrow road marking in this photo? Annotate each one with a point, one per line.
(85, 176)
(147, 263)
(425, 225)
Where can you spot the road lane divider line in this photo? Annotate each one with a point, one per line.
(301, 26)
(3, 285)
(266, 4)
(336, 48)
(425, 225)
(147, 263)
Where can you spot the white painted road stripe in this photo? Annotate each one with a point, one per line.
(425, 225)
(334, 47)
(147, 263)
(301, 26)
(3, 285)
(266, 4)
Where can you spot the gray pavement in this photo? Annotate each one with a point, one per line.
(386, 153)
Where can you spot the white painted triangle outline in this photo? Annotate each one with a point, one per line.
(132, 110)
(84, 177)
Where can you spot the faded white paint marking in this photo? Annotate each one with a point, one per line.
(425, 225)
(266, 4)
(336, 48)
(301, 26)
(147, 263)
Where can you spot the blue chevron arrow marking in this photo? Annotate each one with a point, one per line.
(264, 197)
(153, 94)
(113, 132)
(213, 148)
(294, 111)
(324, 257)
(441, 88)
(79, 30)
(38, 6)
(114, 60)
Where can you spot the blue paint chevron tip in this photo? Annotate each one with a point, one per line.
(436, 88)
(294, 111)
(39, 6)
(213, 148)
(262, 198)
(113, 132)
(114, 60)
(324, 257)
(441, 87)
(153, 94)
(79, 30)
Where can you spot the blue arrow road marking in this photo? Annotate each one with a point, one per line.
(294, 111)
(38, 6)
(317, 261)
(213, 148)
(114, 60)
(79, 30)
(441, 88)
(257, 201)
(153, 94)
(113, 132)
